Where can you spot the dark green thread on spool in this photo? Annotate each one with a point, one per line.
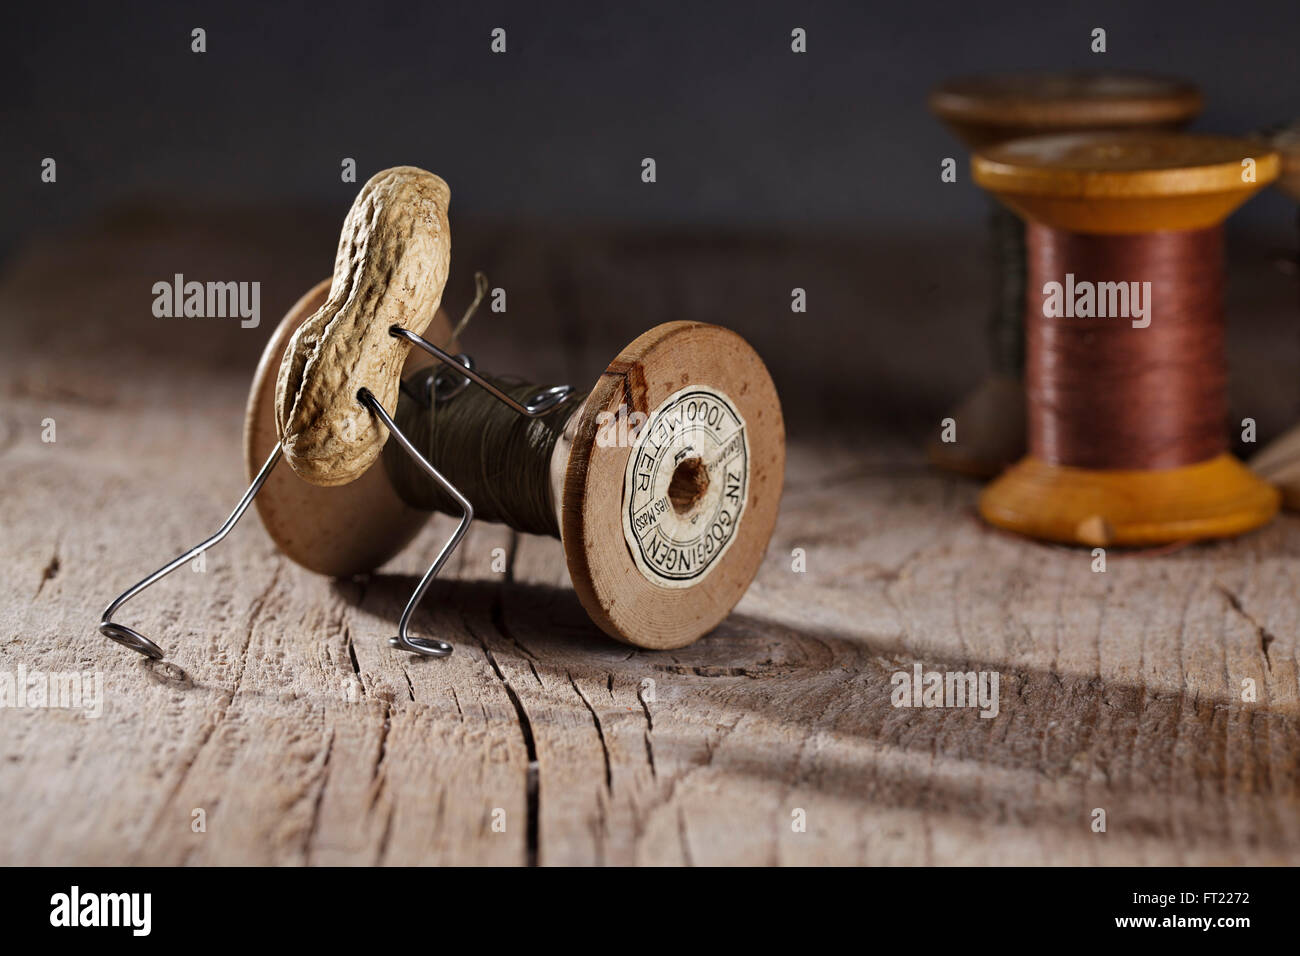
(500, 460)
(1007, 320)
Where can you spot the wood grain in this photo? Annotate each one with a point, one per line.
(286, 717)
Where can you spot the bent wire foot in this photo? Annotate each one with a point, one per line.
(544, 401)
(428, 646)
(133, 638)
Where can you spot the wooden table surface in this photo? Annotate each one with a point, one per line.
(283, 715)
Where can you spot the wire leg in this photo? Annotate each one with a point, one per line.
(133, 638)
(429, 647)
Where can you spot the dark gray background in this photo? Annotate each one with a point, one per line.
(746, 134)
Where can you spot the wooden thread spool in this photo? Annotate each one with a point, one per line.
(1098, 192)
(654, 566)
(983, 111)
(1279, 463)
(354, 528)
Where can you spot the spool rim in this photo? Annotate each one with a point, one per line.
(1287, 142)
(1123, 165)
(1125, 183)
(1058, 100)
(618, 597)
(1218, 498)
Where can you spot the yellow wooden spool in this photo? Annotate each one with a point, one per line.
(1123, 184)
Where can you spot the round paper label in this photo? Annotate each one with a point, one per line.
(685, 487)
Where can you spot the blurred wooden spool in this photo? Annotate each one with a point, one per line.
(1126, 184)
(1279, 463)
(984, 111)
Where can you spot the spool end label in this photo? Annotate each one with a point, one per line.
(685, 487)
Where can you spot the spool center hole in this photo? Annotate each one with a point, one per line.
(689, 483)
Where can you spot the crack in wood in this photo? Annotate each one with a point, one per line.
(312, 827)
(381, 753)
(350, 646)
(1265, 638)
(682, 837)
(533, 775)
(48, 573)
(600, 731)
(649, 731)
(385, 836)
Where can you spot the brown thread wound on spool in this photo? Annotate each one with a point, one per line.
(1103, 394)
(498, 459)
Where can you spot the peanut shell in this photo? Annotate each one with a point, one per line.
(391, 266)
